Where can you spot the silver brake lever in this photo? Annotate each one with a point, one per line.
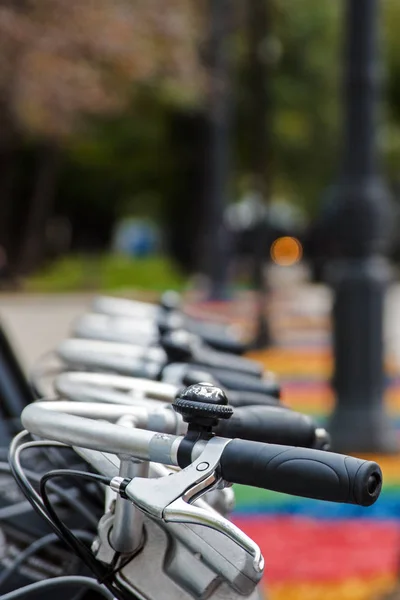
(171, 498)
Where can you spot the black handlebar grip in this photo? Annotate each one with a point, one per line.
(183, 346)
(217, 336)
(230, 362)
(302, 472)
(244, 398)
(225, 344)
(236, 398)
(270, 424)
(243, 382)
(217, 340)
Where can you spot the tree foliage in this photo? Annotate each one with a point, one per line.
(64, 63)
(61, 59)
(118, 87)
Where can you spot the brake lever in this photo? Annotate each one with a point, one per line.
(171, 498)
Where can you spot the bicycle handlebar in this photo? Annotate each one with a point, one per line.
(119, 357)
(95, 435)
(163, 318)
(181, 345)
(297, 471)
(169, 301)
(244, 382)
(122, 356)
(120, 389)
(123, 307)
(73, 381)
(189, 376)
(94, 326)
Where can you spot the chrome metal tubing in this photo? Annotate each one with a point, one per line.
(106, 355)
(114, 328)
(124, 307)
(66, 382)
(100, 435)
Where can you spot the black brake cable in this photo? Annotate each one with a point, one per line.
(50, 516)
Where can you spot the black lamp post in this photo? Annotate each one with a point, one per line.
(215, 239)
(260, 156)
(357, 217)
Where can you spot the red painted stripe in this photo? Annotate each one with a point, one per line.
(298, 549)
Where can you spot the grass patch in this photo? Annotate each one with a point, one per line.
(106, 273)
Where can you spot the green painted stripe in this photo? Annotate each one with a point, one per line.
(253, 496)
(250, 495)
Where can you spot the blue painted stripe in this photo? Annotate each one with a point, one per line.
(387, 508)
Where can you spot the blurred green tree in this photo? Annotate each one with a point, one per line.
(304, 58)
(62, 61)
(103, 112)
(301, 54)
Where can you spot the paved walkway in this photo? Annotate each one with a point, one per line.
(312, 550)
(36, 323)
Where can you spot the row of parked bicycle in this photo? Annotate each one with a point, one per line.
(120, 484)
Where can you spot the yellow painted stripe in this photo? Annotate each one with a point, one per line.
(350, 589)
(295, 362)
(321, 400)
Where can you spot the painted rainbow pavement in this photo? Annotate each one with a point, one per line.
(315, 550)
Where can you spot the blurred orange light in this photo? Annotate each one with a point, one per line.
(286, 251)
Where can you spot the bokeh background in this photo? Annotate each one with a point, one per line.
(141, 145)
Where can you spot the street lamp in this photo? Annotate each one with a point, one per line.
(260, 156)
(251, 234)
(216, 245)
(358, 218)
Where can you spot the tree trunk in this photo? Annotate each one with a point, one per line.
(40, 208)
(258, 23)
(260, 155)
(8, 168)
(215, 246)
(9, 165)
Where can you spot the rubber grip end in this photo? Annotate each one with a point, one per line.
(367, 484)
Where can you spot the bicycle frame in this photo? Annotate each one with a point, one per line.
(121, 530)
